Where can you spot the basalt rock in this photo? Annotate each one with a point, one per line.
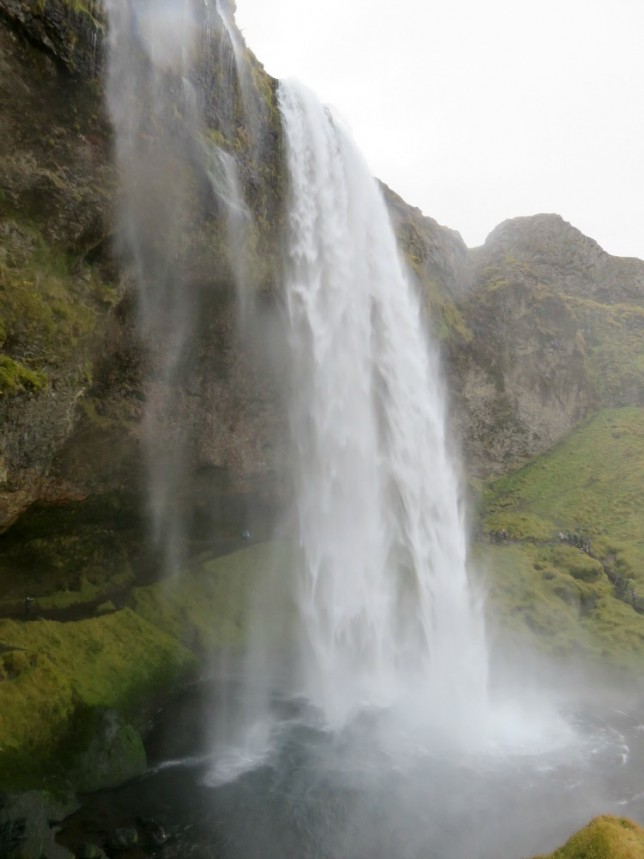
(70, 31)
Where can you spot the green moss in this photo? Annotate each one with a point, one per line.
(49, 306)
(208, 606)
(524, 600)
(101, 750)
(530, 598)
(53, 674)
(592, 483)
(15, 377)
(590, 487)
(52, 670)
(605, 837)
(580, 565)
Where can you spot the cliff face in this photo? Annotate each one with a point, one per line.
(539, 327)
(73, 372)
(555, 327)
(55, 190)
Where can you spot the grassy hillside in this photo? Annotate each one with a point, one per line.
(563, 540)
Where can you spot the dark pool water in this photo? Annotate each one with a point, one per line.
(325, 795)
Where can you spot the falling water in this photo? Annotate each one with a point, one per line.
(386, 608)
(174, 180)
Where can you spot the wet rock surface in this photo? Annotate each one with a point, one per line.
(29, 822)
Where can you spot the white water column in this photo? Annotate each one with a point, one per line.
(387, 615)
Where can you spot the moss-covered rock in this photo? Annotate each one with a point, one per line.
(52, 671)
(103, 750)
(70, 30)
(605, 837)
(15, 377)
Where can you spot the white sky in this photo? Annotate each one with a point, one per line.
(480, 110)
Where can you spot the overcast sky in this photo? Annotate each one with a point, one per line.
(480, 110)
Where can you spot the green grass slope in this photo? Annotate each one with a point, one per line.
(587, 491)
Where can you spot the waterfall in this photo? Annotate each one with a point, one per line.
(385, 617)
(174, 180)
(386, 611)
(366, 649)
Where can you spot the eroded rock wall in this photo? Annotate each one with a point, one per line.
(554, 331)
(74, 374)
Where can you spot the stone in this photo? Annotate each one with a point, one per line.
(27, 825)
(110, 752)
(124, 838)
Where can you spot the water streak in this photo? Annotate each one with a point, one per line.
(175, 181)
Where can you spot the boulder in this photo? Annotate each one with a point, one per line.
(28, 825)
(104, 751)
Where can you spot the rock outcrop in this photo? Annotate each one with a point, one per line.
(72, 367)
(554, 331)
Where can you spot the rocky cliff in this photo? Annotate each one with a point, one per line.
(553, 333)
(72, 366)
(539, 327)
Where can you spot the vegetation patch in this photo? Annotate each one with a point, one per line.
(563, 544)
(49, 671)
(56, 676)
(15, 377)
(605, 837)
(49, 307)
